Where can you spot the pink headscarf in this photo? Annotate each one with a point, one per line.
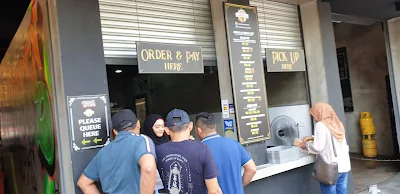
(325, 114)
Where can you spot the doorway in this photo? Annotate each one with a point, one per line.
(148, 94)
(363, 67)
(363, 70)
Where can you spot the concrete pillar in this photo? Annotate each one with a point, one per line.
(224, 73)
(393, 41)
(322, 66)
(79, 69)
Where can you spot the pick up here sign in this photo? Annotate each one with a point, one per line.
(285, 60)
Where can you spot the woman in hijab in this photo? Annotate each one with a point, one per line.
(154, 128)
(328, 125)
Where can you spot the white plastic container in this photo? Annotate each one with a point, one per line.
(282, 154)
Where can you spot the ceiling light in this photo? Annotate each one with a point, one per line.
(118, 71)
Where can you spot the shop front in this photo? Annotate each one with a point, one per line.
(162, 55)
(257, 65)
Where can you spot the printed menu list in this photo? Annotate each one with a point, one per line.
(247, 71)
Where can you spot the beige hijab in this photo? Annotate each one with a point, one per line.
(325, 114)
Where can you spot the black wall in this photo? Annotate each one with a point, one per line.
(239, 2)
(82, 59)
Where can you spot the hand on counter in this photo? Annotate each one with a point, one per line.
(308, 138)
(303, 145)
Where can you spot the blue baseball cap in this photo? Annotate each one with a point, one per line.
(177, 117)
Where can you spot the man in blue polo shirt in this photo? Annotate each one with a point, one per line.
(126, 165)
(228, 154)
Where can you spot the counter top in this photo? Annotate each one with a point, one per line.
(268, 170)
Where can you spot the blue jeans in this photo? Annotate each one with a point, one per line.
(339, 188)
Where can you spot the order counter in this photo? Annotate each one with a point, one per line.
(267, 170)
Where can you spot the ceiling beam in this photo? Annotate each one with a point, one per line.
(340, 18)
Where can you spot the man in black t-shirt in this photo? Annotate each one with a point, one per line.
(185, 166)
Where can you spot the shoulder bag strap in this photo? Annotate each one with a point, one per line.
(333, 145)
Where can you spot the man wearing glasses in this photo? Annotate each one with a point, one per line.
(126, 165)
(228, 154)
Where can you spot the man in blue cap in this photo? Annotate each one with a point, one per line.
(126, 165)
(185, 166)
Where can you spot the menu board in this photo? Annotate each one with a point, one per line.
(247, 72)
(88, 117)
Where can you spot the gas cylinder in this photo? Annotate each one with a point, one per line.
(369, 146)
(367, 124)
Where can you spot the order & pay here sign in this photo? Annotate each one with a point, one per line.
(169, 58)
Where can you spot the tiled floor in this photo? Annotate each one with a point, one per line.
(367, 173)
(389, 186)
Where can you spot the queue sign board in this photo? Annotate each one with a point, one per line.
(88, 117)
(247, 71)
(285, 60)
(169, 58)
